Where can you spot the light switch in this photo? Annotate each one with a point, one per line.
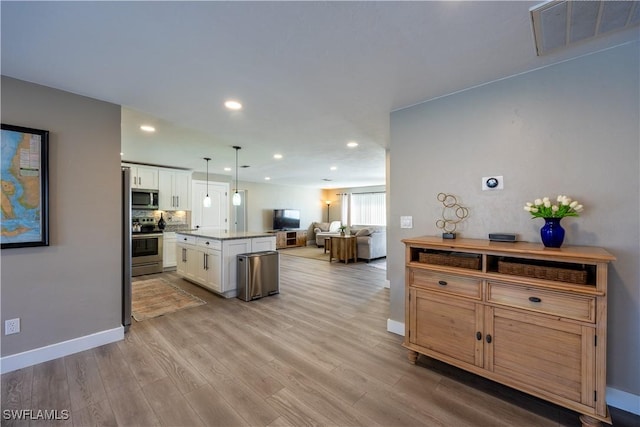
(406, 222)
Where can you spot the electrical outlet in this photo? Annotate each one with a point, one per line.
(12, 326)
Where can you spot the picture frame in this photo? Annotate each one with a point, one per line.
(25, 187)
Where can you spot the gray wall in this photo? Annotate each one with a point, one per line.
(567, 129)
(71, 288)
(263, 198)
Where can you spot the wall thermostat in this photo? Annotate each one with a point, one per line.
(492, 183)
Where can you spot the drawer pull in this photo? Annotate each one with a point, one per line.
(442, 283)
(535, 299)
(488, 338)
(479, 336)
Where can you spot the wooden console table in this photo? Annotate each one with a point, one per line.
(343, 248)
(528, 317)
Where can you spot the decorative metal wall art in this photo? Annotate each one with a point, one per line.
(452, 213)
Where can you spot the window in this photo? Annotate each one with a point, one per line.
(368, 209)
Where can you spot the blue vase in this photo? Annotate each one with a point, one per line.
(552, 233)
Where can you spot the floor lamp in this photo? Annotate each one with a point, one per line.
(328, 205)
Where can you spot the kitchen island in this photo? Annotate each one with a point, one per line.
(208, 257)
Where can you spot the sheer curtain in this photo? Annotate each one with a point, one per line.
(344, 208)
(368, 209)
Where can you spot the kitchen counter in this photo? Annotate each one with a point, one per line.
(209, 257)
(221, 235)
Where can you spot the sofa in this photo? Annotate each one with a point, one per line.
(323, 230)
(371, 241)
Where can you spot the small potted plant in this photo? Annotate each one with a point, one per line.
(342, 229)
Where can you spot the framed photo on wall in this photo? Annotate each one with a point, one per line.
(25, 187)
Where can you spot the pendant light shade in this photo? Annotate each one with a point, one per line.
(236, 200)
(207, 200)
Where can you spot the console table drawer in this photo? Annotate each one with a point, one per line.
(457, 285)
(543, 301)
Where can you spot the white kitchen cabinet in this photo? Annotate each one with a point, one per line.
(174, 190)
(211, 262)
(145, 177)
(169, 259)
(187, 257)
(260, 244)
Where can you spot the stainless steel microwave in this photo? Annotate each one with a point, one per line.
(144, 199)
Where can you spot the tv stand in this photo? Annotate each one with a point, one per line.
(290, 238)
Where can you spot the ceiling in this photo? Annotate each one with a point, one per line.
(312, 76)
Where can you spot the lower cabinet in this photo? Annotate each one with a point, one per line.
(169, 259)
(212, 263)
(531, 319)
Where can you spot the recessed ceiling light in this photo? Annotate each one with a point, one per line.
(352, 144)
(277, 156)
(227, 169)
(267, 178)
(147, 128)
(333, 168)
(233, 105)
(122, 154)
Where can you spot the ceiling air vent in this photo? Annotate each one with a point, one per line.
(558, 24)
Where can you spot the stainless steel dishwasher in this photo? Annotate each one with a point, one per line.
(258, 275)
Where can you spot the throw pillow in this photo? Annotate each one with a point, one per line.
(363, 232)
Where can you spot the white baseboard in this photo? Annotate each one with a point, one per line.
(616, 398)
(623, 400)
(395, 327)
(43, 354)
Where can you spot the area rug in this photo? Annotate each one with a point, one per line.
(155, 297)
(312, 252)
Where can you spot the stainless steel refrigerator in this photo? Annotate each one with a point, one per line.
(126, 248)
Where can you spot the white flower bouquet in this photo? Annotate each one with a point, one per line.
(543, 208)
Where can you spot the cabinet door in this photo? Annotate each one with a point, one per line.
(200, 273)
(301, 238)
(260, 244)
(281, 239)
(181, 260)
(231, 249)
(214, 270)
(544, 354)
(181, 190)
(169, 250)
(447, 326)
(166, 199)
(147, 178)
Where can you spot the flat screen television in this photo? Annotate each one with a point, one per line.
(286, 219)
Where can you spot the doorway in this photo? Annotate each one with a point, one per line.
(214, 217)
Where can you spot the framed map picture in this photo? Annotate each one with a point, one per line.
(25, 187)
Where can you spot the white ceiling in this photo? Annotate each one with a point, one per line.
(311, 75)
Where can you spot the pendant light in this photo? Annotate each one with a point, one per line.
(207, 200)
(237, 200)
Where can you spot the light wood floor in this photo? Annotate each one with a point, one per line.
(317, 354)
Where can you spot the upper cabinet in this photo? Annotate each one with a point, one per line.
(175, 187)
(145, 177)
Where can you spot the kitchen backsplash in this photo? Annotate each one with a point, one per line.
(176, 220)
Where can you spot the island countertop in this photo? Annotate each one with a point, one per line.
(221, 235)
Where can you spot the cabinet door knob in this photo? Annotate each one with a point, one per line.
(489, 338)
(535, 299)
(442, 283)
(479, 336)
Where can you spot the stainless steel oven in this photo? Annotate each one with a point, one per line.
(146, 253)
